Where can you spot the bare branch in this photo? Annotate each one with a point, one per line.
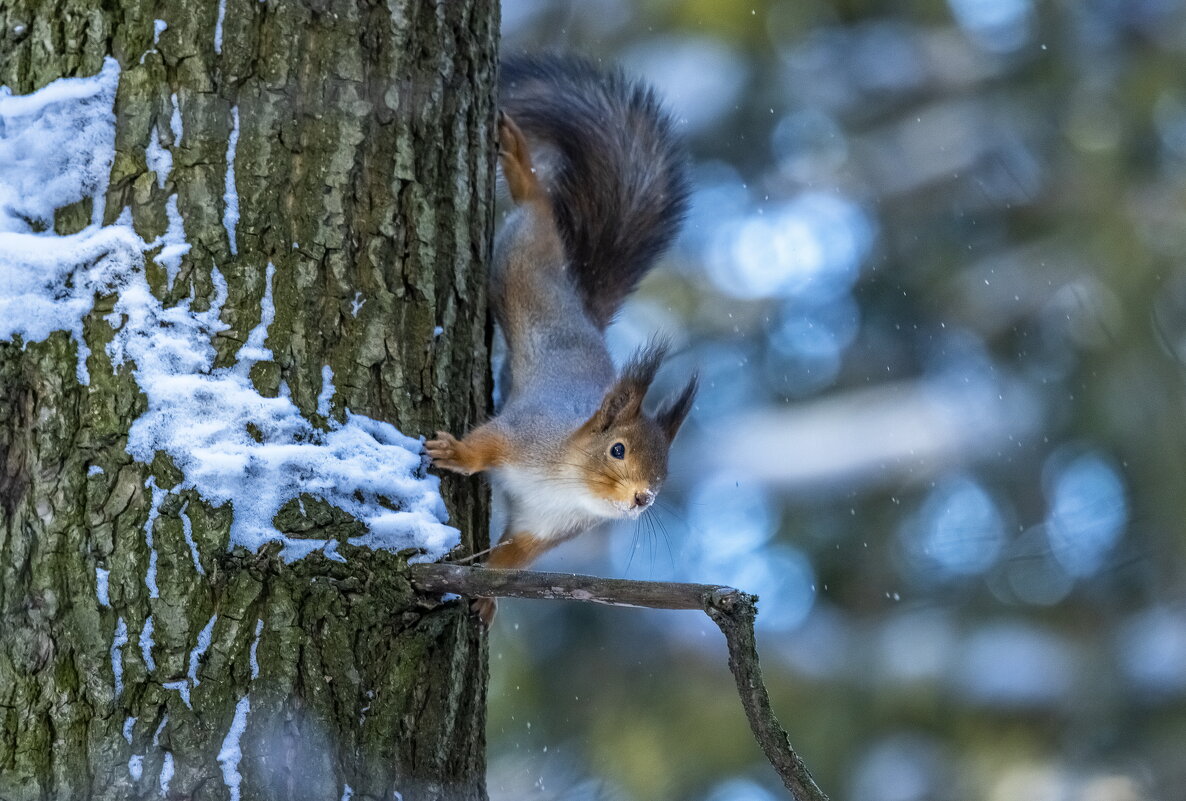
(732, 610)
(477, 582)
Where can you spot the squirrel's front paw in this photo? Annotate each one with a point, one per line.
(484, 608)
(448, 453)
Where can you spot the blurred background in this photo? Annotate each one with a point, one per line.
(934, 282)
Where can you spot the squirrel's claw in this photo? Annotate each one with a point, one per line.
(484, 608)
(446, 453)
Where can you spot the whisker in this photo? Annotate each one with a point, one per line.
(581, 482)
(633, 546)
(587, 472)
(651, 540)
(609, 463)
(671, 509)
(667, 539)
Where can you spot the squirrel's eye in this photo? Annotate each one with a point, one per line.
(618, 451)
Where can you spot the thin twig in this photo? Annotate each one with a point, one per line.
(732, 610)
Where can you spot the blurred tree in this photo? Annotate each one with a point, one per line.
(933, 280)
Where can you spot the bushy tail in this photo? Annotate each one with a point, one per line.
(613, 165)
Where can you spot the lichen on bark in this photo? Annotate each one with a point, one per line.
(364, 174)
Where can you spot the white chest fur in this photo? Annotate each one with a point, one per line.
(550, 506)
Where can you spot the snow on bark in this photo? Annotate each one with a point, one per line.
(231, 444)
(158, 158)
(102, 582)
(187, 530)
(199, 651)
(57, 147)
(175, 121)
(230, 197)
(253, 653)
(117, 655)
(326, 396)
(218, 26)
(146, 644)
(154, 511)
(172, 242)
(231, 753)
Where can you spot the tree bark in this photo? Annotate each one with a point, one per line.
(364, 172)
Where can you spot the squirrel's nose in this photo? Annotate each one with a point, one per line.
(643, 499)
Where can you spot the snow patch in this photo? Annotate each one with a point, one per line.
(56, 148)
(154, 511)
(185, 686)
(94, 470)
(182, 688)
(117, 655)
(175, 121)
(166, 773)
(218, 26)
(253, 653)
(102, 584)
(156, 735)
(347, 792)
(231, 752)
(146, 644)
(199, 416)
(230, 443)
(172, 242)
(128, 724)
(199, 651)
(158, 27)
(326, 396)
(136, 766)
(356, 304)
(255, 349)
(48, 282)
(230, 197)
(187, 528)
(159, 159)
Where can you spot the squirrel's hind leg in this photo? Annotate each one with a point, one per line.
(512, 551)
(515, 156)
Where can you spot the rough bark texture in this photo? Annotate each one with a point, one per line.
(363, 165)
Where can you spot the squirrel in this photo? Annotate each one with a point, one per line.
(599, 185)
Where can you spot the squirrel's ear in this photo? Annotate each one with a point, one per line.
(673, 413)
(624, 399)
(622, 402)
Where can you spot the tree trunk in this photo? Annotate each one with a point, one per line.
(357, 138)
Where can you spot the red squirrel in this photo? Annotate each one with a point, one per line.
(599, 183)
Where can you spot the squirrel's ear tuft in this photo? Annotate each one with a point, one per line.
(640, 370)
(624, 399)
(673, 413)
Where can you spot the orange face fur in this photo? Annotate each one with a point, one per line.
(620, 453)
(624, 465)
